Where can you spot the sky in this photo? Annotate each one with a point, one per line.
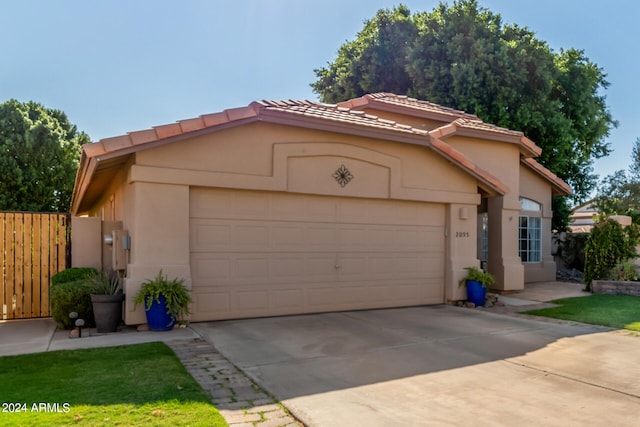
(118, 66)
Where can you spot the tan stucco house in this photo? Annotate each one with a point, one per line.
(297, 207)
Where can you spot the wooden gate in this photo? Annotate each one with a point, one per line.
(33, 247)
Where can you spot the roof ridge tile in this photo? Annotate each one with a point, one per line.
(406, 100)
(143, 136)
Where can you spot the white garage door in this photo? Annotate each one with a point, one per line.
(263, 254)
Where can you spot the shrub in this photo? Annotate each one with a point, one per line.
(608, 244)
(624, 270)
(478, 275)
(72, 274)
(68, 297)
(571, 249)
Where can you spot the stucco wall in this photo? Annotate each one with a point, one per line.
(533, 187)
(261, 156)
(151, 194)
(86, 242)
(159, 230)
(501, 160)
(461, 248)
(276, 158)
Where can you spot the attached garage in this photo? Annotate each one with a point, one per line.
(288, 207)
(267, 253)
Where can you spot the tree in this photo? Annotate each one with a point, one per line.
(619, 193)
(464, 57)
(39, 154)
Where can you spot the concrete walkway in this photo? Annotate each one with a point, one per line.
(536, 296)
(548, 291)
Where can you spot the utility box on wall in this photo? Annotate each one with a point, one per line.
(119, 249)
(115, 246)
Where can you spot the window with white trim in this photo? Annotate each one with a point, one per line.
(529, 232)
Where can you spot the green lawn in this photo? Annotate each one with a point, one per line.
(135, 385)
(616, 311)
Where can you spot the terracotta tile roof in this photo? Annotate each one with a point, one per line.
(163, 132)
(457, 121)
(335, 113)
(480, 125)
(560, 188)
(480, 129)
(330, 112)
(418, 107)
(307, 114)
(261, 110)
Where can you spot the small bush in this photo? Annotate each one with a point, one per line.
(608, 244)
(624, 270)
(68, 297)
(104, 284)
(72, 274)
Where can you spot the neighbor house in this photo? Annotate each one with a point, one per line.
(582, 219)
(285, 207)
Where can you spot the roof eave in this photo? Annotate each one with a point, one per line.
(488, 182)
(93, 154)
(558, 186)
(527, 147)
(85, 172)
(335, 126)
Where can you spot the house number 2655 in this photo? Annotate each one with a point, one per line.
(462, 234)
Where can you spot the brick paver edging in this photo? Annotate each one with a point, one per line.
(240, 401)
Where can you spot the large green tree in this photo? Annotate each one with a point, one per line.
(39, 153)
(463, 56)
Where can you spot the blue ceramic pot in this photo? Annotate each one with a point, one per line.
(157, 317)
(476, 293)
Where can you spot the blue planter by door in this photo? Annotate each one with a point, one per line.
(157, 317)
(476, 293)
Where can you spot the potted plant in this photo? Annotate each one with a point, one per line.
(106, 298)
(477, 281)
(164, 301)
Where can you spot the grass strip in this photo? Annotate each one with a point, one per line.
(615, 311)
(134, 385)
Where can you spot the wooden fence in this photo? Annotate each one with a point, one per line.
(33, 247)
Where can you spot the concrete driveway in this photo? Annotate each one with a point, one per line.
(437, 365)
